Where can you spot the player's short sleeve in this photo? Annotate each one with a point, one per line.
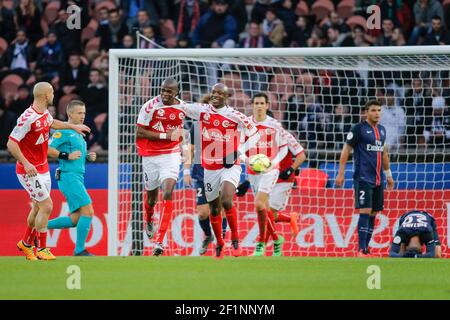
(50, 119)
(20, 130)
(56, 140)
(193, 110)
(145, 114)
(294, 146)
(246, 125)
(353, 136)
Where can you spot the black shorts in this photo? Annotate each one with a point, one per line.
(200, 191)
(368, 196)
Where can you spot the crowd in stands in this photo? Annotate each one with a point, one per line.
(37, 44)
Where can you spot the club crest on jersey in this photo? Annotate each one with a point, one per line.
(206, 117)
(159, 126)
(38, 123)
(161, 112)
(216, 123)
(225, 123)
(172, 117)
(181, 115)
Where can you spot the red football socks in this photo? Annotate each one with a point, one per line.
(166, 216)
(26, 236)
(271, 225)
(42, 239)
(262, 221)
(283, 217)
(216, 222)
(232, 222)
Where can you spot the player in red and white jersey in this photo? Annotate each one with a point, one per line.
(221, 126)
(159, 133)
(273, 144)
(28, 143)
(279, 196)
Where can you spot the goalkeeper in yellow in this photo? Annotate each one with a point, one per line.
(70, 148)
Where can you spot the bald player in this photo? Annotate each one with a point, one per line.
(28, 144)
(159, 133)
(220, 127)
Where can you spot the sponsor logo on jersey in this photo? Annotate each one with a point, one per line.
(265, 144)
(159, 126)
(378, 147)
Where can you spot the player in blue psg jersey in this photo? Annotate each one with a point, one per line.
(416, 228)
(370, 156)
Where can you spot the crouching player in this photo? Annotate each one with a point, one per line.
(70, 148)
(416, 228)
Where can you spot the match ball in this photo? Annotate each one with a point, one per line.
(259, 163)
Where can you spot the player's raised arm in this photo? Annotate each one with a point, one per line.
(80, 128)
(387, 170)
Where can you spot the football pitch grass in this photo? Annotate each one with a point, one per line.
(186, 278)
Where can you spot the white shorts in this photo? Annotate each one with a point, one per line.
(38, 187)
(159, 168)
(279, 196)
(214, 179)
(263, 182)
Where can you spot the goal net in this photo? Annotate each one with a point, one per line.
(317, 94)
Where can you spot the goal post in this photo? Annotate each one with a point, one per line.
(317, 93)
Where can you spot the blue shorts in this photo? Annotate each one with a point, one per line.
(368, 196)
(72, 187)
(200, 188)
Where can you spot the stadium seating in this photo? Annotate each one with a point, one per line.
(10, 84)
(302, 9)
(105, 4)
(63, 103)
(51, 11)
(345, 8)
(356, 20)
(322, 8)
(89, 31)
(3, 46)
